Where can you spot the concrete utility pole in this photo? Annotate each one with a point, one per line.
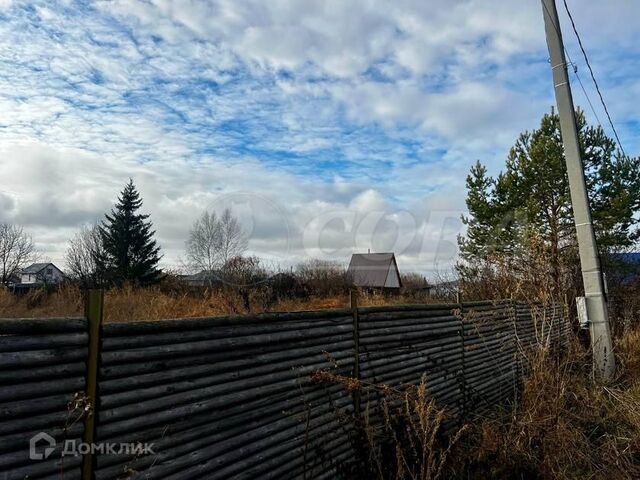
(603, 358)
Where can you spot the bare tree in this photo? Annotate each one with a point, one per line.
(83, 254)
(214, 241)
(234, 240)
(16, 250)
(203, 245)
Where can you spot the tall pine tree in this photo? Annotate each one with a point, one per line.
(130, 251)
(528, 205)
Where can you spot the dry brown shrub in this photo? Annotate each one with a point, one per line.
(402, 436)
(7, 302)
(64, 301)
(564, 425)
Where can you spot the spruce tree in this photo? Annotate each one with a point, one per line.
(130, 251)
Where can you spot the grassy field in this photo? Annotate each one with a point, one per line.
(153, 303)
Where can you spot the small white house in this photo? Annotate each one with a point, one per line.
(41, 273)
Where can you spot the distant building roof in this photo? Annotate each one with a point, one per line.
(376, 270)
(632, 257)
(627, 266)
(453, 284)
(37, 267)
(447, 288)
(199, 279)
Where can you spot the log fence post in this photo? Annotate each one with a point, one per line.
(94, 302)
(462, 380)
(356, 348)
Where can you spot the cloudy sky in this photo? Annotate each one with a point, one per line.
(327, 126)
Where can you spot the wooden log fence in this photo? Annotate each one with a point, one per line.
(232, 397)
(42, 368)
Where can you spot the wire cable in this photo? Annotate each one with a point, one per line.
(593, 110)
(593, 77)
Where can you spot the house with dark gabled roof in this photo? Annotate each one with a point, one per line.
(374, 270)
(41, 274)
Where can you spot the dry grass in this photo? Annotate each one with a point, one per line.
(40, 303)
(402, 436)
(154, 303)
(564, 426)
(409, 442)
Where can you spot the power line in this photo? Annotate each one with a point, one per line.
(593, 77)
(593, 110)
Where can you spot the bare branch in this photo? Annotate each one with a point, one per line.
(16, 250)
(204, 243)
(82, 255)
(234, 240)
(214, 241)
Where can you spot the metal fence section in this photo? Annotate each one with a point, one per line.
(497, 339)
(232, 397)
(42, 367)
(472, 355)
(224, 397)
(401, 344)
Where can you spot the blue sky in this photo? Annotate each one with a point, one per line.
(328, 126)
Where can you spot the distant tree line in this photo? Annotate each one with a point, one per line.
(121, 249)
